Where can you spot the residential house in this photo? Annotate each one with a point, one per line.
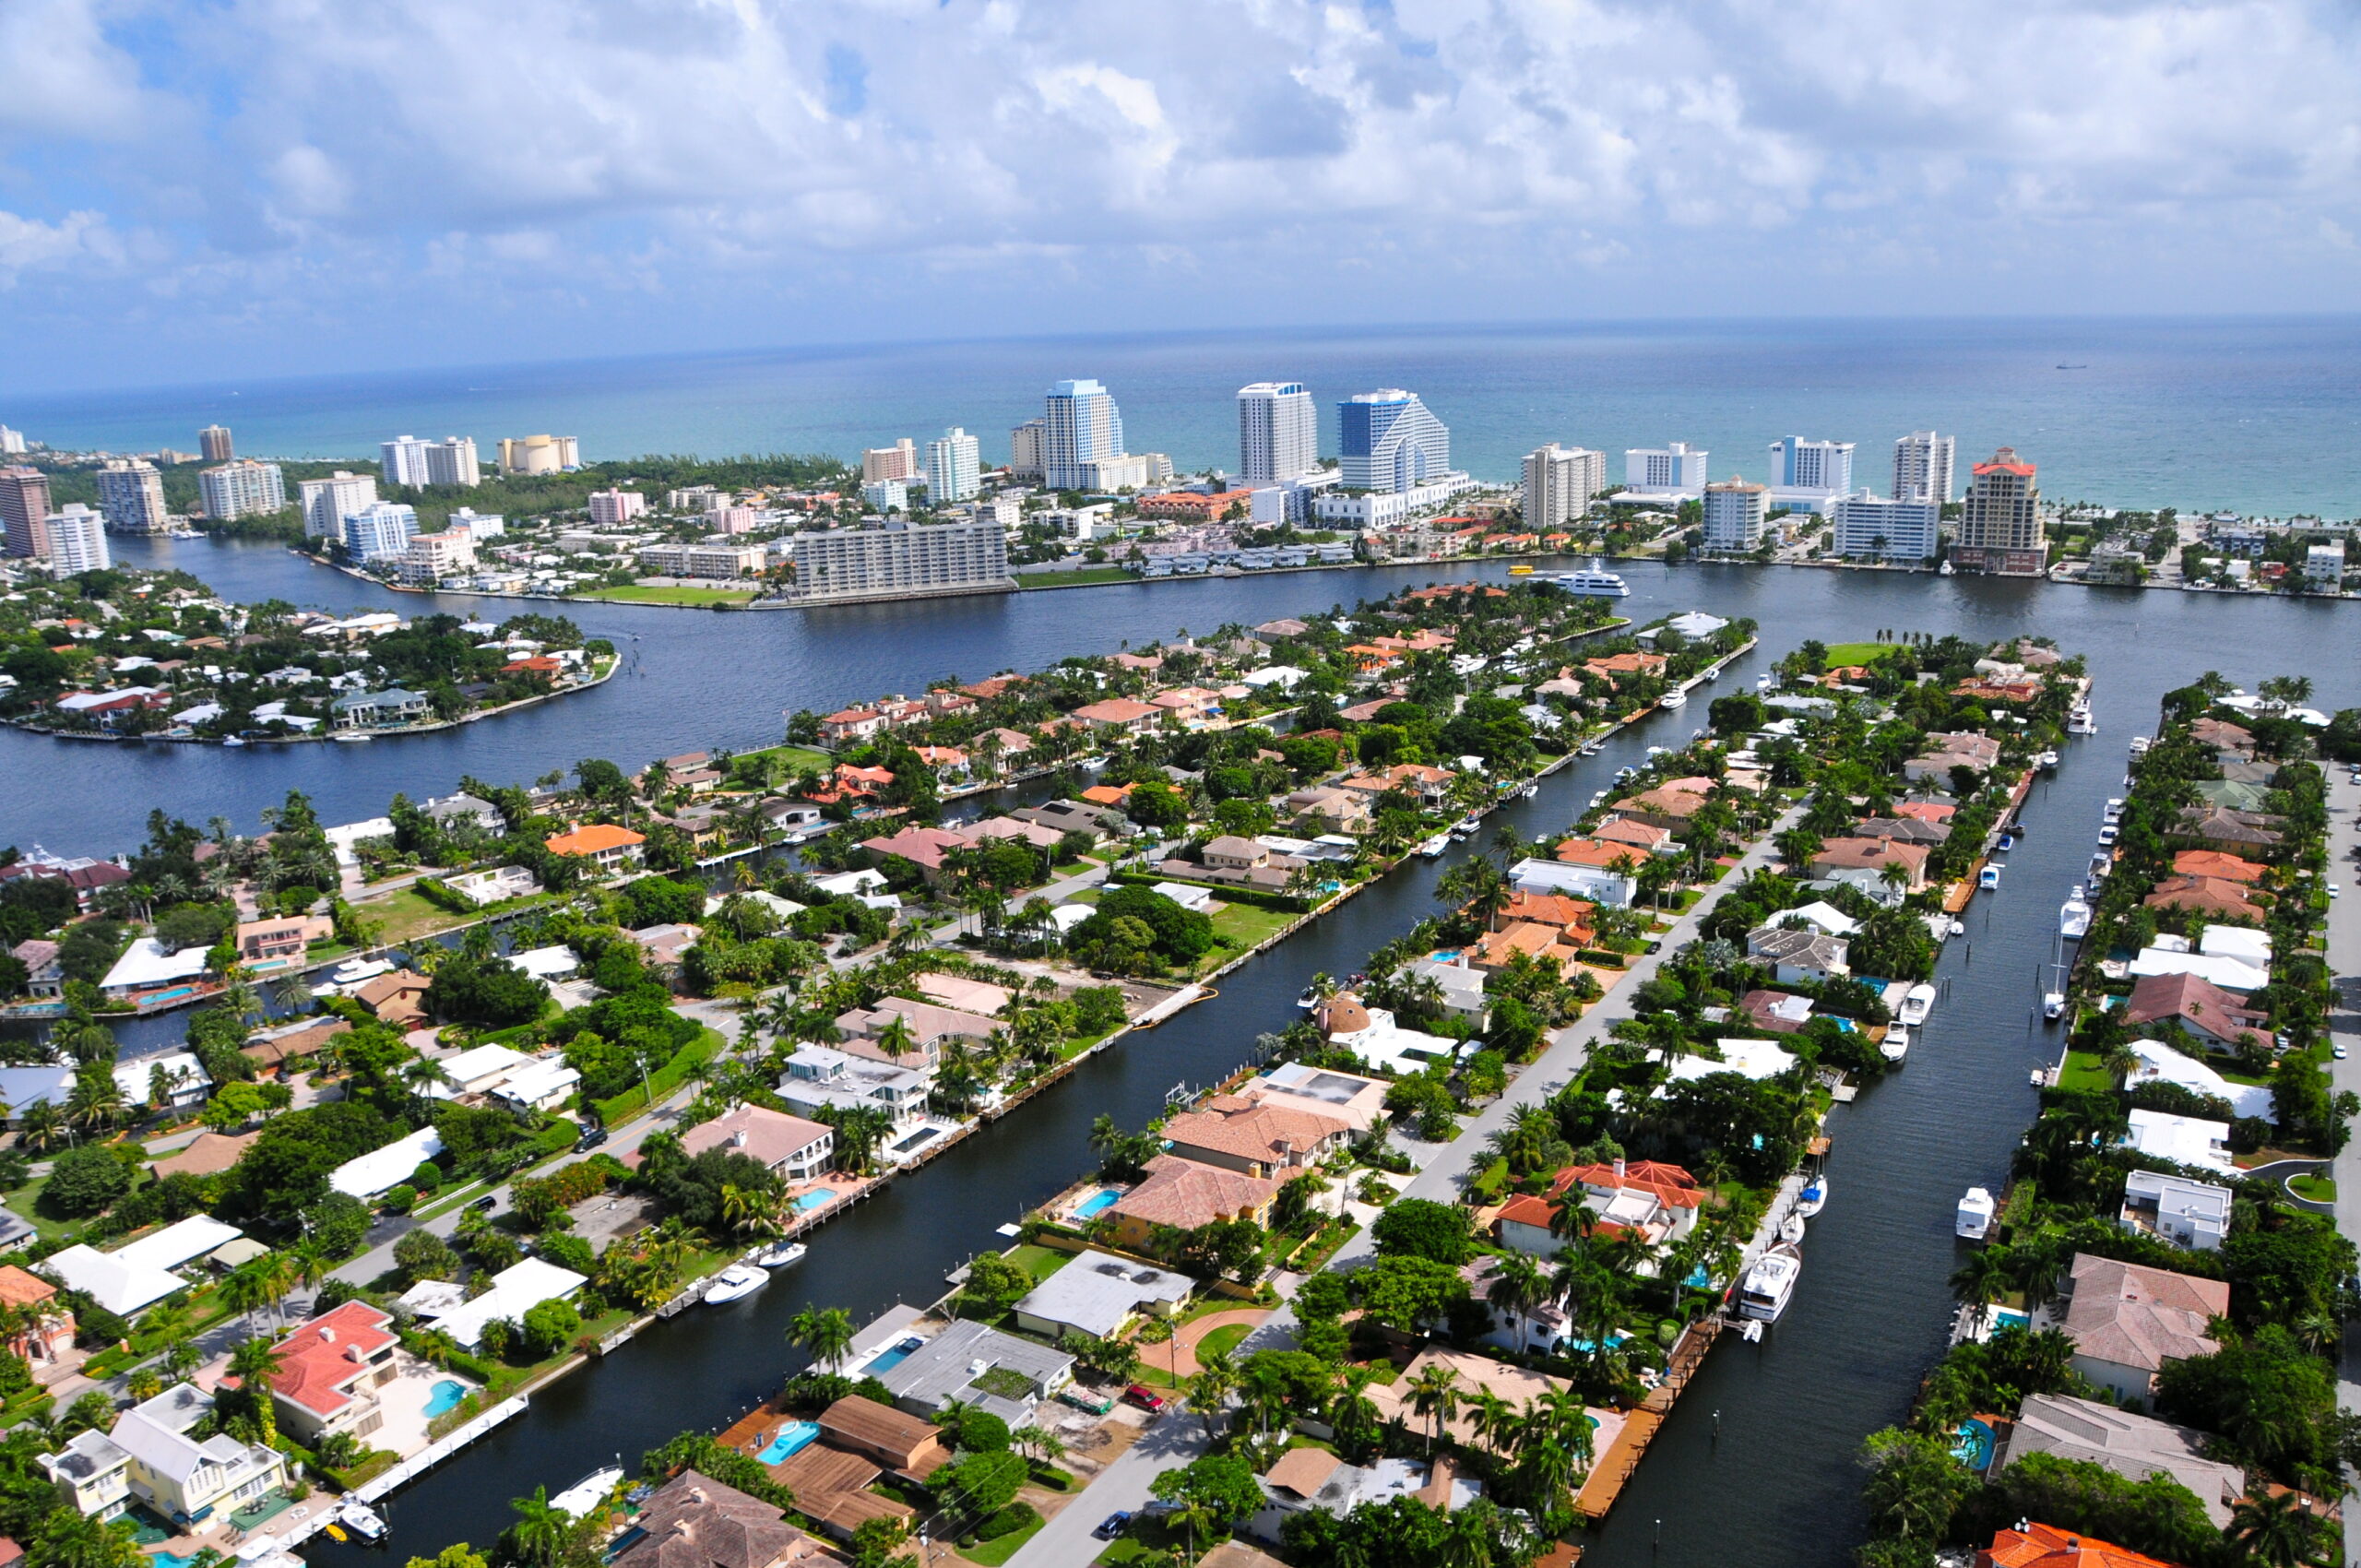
(2225, 739)
(607, 849)
(1582, 868)
(1621, 669)
(1646, 1198)
(922, 847)
(2194, 1215)
(398, 998)
(1354, 1099)
(1382, 1042)
(2135, 1448)
(1460, 988)
(1496, 950)
(42, 1331)
(900, 1443)
(951, 1366)
(1329, 809)
(2217, 866)
(2215, 1018)
(2035, 1545)
(1183, 1195)
(1314, 1479)
(1124, 716)
(1262, 1140)
(1781, 1012)
(821, 1079)
(2213, 897)
(851, 725)
(1874, 855)
(2127, 1320)
(1668, 806)
(2198, 1142)
(1946, 751)
(149, 1458)
(930, 1028)
(1800, 957)
(1231, 852)
(45, 972)
(380, 710)
(949, 763)
(694, 1521)
(2233, 833)
(1100, 1295)
(1909, 830)
(1639, 834)
(282, 939)
(329, 1370)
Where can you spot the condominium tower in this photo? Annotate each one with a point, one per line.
(1678, 467)
(898, 462)
(379, 531)
(1278, 433)
(214, 442)
(131, 494)
(1736, 512)
(2000, 526)
(540, 454)
(955, 467)
(327, 502)
(1818, 468)
(1024, 448)
(1922, 468)
(1390, 442)
(76, 541)
(242, 489)
(1869, 527)
(24, 508)
(899, 560)
(1081, 427)
(1559, 482)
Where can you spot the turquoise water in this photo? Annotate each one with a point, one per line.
(1096, 1204)
(156, 999)
(447, 1396)
(892, 1359)
(1446, 956)
(2004, 1317)
(170, 1559)
(1974, 1446)
(1584, 1346)
(792, 1438)
(807, 1202)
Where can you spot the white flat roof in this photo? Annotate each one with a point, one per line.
(515, 1291)
(388, 1167)
(146, 963)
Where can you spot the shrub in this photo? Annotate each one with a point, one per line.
(1008, 1521)
(399, 1199)
(85, 1181)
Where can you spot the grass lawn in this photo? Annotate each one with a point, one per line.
(793, 760)
(22, 1203)
(1038, 1262)
(1070, 579)
(1841, 654)
(409, 914)
(2318, 1189)
(993, 1553)
(2085, 1075)
(1225, 1337)
(1072, 868)
(1239, 927)
(638, 593)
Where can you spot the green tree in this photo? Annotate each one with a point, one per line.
(825, 1335)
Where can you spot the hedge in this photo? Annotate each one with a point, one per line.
(437, 891)
(664, 1080)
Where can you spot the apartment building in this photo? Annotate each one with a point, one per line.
(714, 558)
(2001, 528)
(1559, 483)
(243, 488)
(327, 502)
(1390, 442)
(75, 541)
(1922, 468)
(953, 468)
(612, 506)
(131, 495)
(1278, 433)
(379, 532)
(900, 560)
(1736, 514)
(898, 462)
(1867, 527)
(539, 455)
(214, 442)
(24, 508)
(429, 558)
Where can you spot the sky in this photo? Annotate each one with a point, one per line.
(196, 187)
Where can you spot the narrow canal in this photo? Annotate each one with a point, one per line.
(1756, 1464)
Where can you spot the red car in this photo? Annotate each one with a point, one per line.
(1147, 1399)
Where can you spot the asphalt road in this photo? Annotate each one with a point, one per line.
(2345, 1027)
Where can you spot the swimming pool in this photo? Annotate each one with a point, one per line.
(446, 1396)
(170, 1559)
(1096, 1202)
(792, 1438)
(888, 1360)
(2010, 1317)
(1583, 1346)
(1974, 1446)
(158, 998)
(820, 1197)
(1445, 957)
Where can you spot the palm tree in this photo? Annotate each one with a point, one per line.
(68, 1539)
(96, 1101)
(1517, 1287)
(43, 1126)
(1985, 1278)
(541, 1528)
(1434, 1393)
(250, 1287)
(1492, 1417)
(823, 1333)
(2277, 1531)
(895, 1039)
(256, 1362)
(421, 1074)
(1209, 1390)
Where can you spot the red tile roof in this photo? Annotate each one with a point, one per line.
(320, 1360)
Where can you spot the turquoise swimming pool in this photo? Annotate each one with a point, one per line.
(818, 1198)
(1974, 1446)
(446, 1396)
(170, 1559)
(1096, 1204)
(793, 1439)
(888, 1360)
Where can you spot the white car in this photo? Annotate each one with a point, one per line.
(2337, 1052)
(2331, 890)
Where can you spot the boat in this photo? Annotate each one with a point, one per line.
(1593, 582)
(1896, 1044)
(1814, 1199)
(232, 741)
(1435, 846)
(739, 1280)
(2080, 721)
(1600, 798)
(1752, 1332)
(1944, 570)
(1675, 698)
(1309, 999)
(2008, 842)
(1974, 1216)
(2074, 917)
(352, 971)
(2140, 744)
(1791, 1228)
(1528, 793)
(1625, 775)
(1957, 928)
(588, 1492)
(2111, 815)
(1520, 571)
(2053, 1006)
(1989, 879)
(362, 1520)
(1763, 1294)
(1917, 1002)
(2046, 762)
(352, 737)
(778, 1254)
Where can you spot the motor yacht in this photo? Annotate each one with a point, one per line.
(1768, 1286)
(1989, 879)
(1676, 698)
(780, 1254)
(737, 1281)
(362, 1520)
(1896, 1044)
(2074, 917)
(1435, 846)
(1974, 1216)
(1593, 582)
(1917, 1002)
(2053, 1006)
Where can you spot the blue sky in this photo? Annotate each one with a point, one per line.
(199, 187)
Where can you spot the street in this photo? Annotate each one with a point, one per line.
(2345, 1027)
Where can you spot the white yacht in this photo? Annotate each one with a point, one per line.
(1763, 1294)
(780, 1254)
(1814, 1198)
(2053, 1006)
(586, 1494)
(2074, 917)
(362, 1520)
(1896, 1044)
(1593, 582)
(1435, 846)
(1674, 698)
(1917, 1002)
(739, 1279)
(1975, 1212)
(353, 971)
(2080, 720)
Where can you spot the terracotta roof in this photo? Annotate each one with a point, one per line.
(1870, 854)
(1117, 710)
(1590, 852)
(1550, 909)
(2196, 1002)
(694, 1521)
(1184, 1194)
(1249, 1131)
(330, 1350)
(1302, 1472)
(211, 1154)
(18, 1289)
(2042, 1546)
(2140, 1317)
(1926, 811)
(1671, 1185)
(1644, 835)
(2218, 865)
(591, 838)
(2210, 895)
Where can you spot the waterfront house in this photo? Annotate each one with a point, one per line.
(1948, 750)
(1646, 1198)
(1909, 830)
(607, 849)
(2215, 1018)
(1229, 851)
(2227, 740)
(1460, 989)
(1329, 809)
(1496, 950)
(2135, 1448)
(2194, 1215)
(493, 887)
(2213, 897)
(1352, 1098)
(1621, 669)
(329, 1370)
(922, 847)
(398, 998)
(2234, 833)
(42, 1329)
(2035, 1545)
(851, 725)
(896, 1441)
(1183, 1195)
(694, 1521)
(147, 965)
(786, 1145)
(1799, 956)
(45, 971)
(2195, 1141)
(930, 1028)
(821, 1078)
(2217, 866)
(1255, 1139)
(2158, 1063)
(1314, 1479)
(1781, 1012)
(149, 1458)
(2127, 1320)
(380, 710)
(961, 1362)
(515, 1291)
(1123, 716)
(1874, 855)
(280, 939)
(1382, 1042)
(1668, 806)
(1640, 833)
(1582, 868)
(1100, 1295)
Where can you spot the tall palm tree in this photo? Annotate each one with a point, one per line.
(256, 1362)
(896, 1040)
(1985, 1278)
(1492, 1417)
(1517, 1286)
(250, 1287)
(421, 1074)
(41, 1127)
(824, 1334)
(1434, 1393)
(2277, 1531)
(541, 1528)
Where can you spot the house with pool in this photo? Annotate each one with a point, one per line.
(150, 1461)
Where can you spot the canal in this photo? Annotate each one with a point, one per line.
(1756, 1464)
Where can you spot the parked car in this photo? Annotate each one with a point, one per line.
(1112, 1526)
(489, 1201)
(2337, 1050)
(1147, 1399)
(592, 1136)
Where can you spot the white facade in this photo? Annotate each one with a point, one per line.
(1922, 466)
(1736, 512)
(1079, 424)
(1377, 508)
(403, 460)
(327, 502)
(1559, 482)
(430, 557)
(242, 489)
(1813, 467)
(900, 560)
(11, 441)
(882, 495)
(1390, 442)
(131, 494)
(379, 531)
(2324, 564)
(1868, 525)
(953, 467)
(452, 460)
(1678, 467)
(1278, 433)
(77, 540)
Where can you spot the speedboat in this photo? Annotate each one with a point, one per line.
(1896, 1044)
(1815, 1197)
(780, 1254)
(739, 1279)
(2080, 721)
(352, 971)
(2113, 815)
(2008, 842)
(1975, 1217)
(2074, 916)
(1625, 775)
(1672, 699)
(1528, 793)
(1763, 1294)
(583, 1495)
(1917, 1002)
(362, 1520)
(1957, 928)
(1593, 582)
(2046, 762)
(2053, 1006)
(1600, 798)
(2140, 744)
(1765, 680)
(232, 741)
(1989, 879)
(1791, 1228)
(1435, 846)
(352, 737)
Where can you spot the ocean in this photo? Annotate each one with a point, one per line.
(2261, 415)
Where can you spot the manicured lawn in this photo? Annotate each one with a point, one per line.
(1225, 1337)
(1070, 579)
(1239, 927)
(790, 760)
(640, 593)
(1038, 1262)
(1842, 654)
(2085, 1075)
(409, 915)
(21, 1203)
(2318, 1189)
(993, 1553)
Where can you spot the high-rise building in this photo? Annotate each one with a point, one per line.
(452, 460)
(2000, 526)
(1390, 442)
(614, 506)
(24, 508)
(1815, 468)
(1559, 482)
(1868, 526)
(1678, 467)
(1922, 468)
(900, 560)
(953, 467)
(1736, 514)
(131, 494)
(1025, 449)
(539, 455)
(430, 557)
(76, 541)
(403, 461)
(379, 531)
(1079, 424)
(11, 441)
(327, 502)
(214, 442)
(243, 488)
(883, 495)
(898, 462)
(1278, 433)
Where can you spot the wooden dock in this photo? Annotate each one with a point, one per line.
(1610, 1471)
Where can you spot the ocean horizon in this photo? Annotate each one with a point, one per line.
(2259, 415)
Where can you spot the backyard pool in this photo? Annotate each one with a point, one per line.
(1583, 1346)
(792, 1438)
(1096, 1202)
(170, 1559)
(1445, 957)
(888, 1360)
(819, 1197)
(446, 1396)
(1974, 1446)
(2010, 1317)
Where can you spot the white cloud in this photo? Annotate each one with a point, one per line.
(29, 245)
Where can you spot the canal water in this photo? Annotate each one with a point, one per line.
(1756, 1464)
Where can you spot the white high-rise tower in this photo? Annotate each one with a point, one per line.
(1922, 468)
(1278, 433)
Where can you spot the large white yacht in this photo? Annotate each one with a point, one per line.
(1763, 1294)
(1593, 582)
